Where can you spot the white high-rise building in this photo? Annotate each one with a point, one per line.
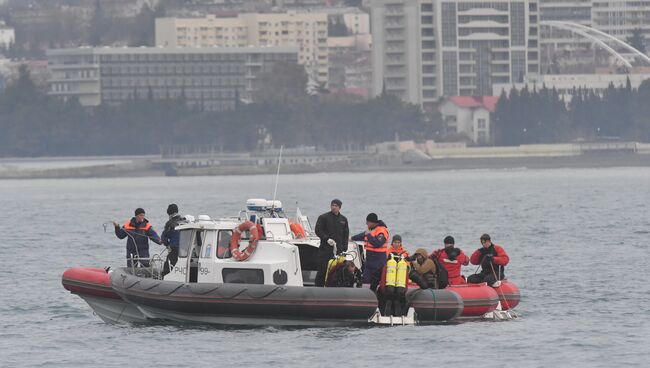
(619, 17)
(425, 49)
(307, 31)
(577, 11)
(563, 50)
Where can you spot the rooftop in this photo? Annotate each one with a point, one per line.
(487, 102)
(85, 50)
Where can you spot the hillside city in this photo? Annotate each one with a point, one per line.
(115, 77)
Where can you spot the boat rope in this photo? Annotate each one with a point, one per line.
(505, 301)
(128, 232)
(435, 306)
(155, 258)
(121, 312)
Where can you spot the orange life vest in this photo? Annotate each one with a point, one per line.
(399, 251)
(375, 233)
(128, 226)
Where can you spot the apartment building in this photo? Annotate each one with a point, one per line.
(306, 31)
(619, 17)
(349, 63)
(425, 49)
(209, 78)
(357, 22)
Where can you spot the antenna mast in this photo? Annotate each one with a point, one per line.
(277, 175)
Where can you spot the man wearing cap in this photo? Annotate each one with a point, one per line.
(492, 259)
(139, 231)
(452, 259)
(170, 237)
(332, 229)
(376, 245)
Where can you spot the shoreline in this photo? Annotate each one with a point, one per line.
(143, 166)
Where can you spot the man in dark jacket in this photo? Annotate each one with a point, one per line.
(493, 259)
(332, 229)
(170, 237)
(139, 231)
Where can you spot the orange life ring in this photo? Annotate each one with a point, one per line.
(252, 242)
(297, 230)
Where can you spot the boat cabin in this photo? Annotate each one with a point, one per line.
(204, 254)
(281, 258)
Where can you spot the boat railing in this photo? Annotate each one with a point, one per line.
(153, 270)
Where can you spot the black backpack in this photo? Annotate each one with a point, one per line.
(441, 274)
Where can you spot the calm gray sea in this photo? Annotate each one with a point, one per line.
(577, 239)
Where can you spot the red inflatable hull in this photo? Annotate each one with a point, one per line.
(88, 281)
(509, 294)
(478, 299)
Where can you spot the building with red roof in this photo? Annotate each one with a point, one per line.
(469, 115)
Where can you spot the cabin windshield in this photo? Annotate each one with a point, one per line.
(185, 242)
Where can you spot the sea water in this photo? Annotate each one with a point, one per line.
(577, 239)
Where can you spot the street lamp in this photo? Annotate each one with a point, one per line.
(525, 136)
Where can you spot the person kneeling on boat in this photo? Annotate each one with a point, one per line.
(423, 270)
(492, 259)
(139, 231)
(452, 259)
(347, 275)
(171, 237)
(376, 245)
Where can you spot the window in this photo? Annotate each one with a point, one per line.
(428, 45)
(184, 242)
(449, 73)
(481, 123)
(518, 24)
(448, 24)
(242, 276)
(208, 240)
(223, 244)
(429, 94)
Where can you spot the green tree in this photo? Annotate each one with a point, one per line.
(283, 85)
(143, 28)
(99, 25)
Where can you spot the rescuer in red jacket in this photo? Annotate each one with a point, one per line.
(492, 259)
(452, 259)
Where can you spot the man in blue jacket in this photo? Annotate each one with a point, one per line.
(376, 245)
(171, 237)
(139, 231)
